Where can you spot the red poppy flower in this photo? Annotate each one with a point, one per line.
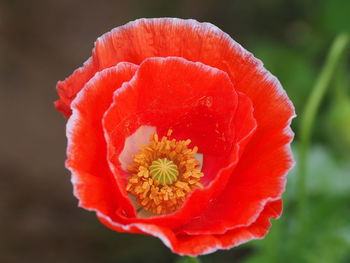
(176, 131)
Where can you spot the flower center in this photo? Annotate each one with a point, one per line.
(163, 173)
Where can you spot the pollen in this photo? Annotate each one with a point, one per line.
(163, 173)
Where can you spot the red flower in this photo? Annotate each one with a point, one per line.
(178, 87)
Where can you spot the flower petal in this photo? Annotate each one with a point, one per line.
(262, 161)
(93, 182)
(195, 101)
(204, 244)
(261, 173)
(195, 245)
(69, 88)
(163, 37)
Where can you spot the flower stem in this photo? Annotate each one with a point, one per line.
(340, 82)
(333, 59)
(188, 259)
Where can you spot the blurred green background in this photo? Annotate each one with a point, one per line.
(42, 41)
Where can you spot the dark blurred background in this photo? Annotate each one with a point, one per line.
(43, 41)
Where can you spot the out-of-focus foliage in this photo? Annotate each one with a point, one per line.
(326, 235)
(296, 60)
(337, 119)
(326, 238)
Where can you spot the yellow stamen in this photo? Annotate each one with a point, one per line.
(163, 173)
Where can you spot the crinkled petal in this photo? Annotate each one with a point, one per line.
(196, 102)
(69, 88)
(195, 245)
(94, 185)
(259, 176)
(207, 243)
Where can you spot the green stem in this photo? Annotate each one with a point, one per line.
(308, 117)
(188, 259)
(340, 82)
